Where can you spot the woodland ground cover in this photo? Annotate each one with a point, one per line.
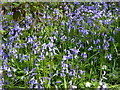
(61, 45)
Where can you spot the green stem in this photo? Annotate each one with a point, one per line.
(65, 84)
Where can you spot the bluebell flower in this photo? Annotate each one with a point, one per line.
(95, 59)
(56, 11)
(62, 74)
(32, 82)
(17, 45)
(81, 72)
(76, 3)
(72, 72)
(63, 37)
(34, 37)
(48, 16)
(111, 39)
(106, 45)
(90, 48)
(65, 58)
(66, 7)
(57, 72)
(27, 26)
(73, 86)
(84, 32)
(9, 74)
(58, 82)
(98, 47)
(89, 21)
(33, 69)
(109, 57)
(75, 51)
(26, 70)
(97, 41)
(84, 55)
(44, 45)
(62, 23)
(70, 82)
(51, 44)
(118, 29)
(29, 40)
(42, 56)
(51, 74)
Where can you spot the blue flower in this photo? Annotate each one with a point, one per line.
(62, 23)
(97, 41)
(90, 48)
(81, 72)
(58, 82)
(106, 45)
(76, 3)
(65, 58)
(75, 51)
(109, 57)
(84, 55)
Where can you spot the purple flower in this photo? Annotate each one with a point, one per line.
(63, 37)
(93, 79)
(65, 58)
(62, 75)
(106, 45)
(62, 23)
(76, 3)
(33, 81)
(109, 57)
(111, 39)
(26, 70)
(57, 72)
(72, 72)
(69, 56)
(70, 82)
(73, 86)
(97, 41)
(56, 11)
(84, 55)
(50, 44)
(89, 21)
(27, 27)
(90, 48)
(118, 29)
(29, 40)
(81, 72)
(42, 56)
(50, 75)
(58, 82)
(48, 17)
(33, 69)
(44, 46)
(75, 51)
(84, 32)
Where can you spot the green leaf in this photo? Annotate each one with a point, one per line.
(17, 15)
(2, 31)
(9, 17)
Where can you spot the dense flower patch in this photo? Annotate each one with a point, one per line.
(75, 45)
